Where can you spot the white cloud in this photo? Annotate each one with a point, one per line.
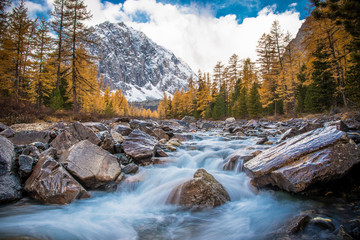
(194, 34)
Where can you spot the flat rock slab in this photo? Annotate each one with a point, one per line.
(27, 137)
(139, 145)
(318, 156)
(51, 183)
(201, 191)
(91, 165)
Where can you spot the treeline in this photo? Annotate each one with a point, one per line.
(313, 74)
(45, 62)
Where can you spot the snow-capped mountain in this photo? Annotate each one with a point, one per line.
(130, 61)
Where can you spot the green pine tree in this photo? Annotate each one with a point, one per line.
(254, 105)
(219, 110)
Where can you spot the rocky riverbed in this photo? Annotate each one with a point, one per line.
(181, 179)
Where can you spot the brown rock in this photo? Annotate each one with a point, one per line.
(123, 130)
(91, 165)
(319, 156)
(51, 183)
(139, 145)
(161, 134)
(201, 191)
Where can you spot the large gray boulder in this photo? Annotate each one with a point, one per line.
(51, 183)
(91, 165)
(319, 156)
(139, 145)
(201, 191)
(10, 186)
(123, 130)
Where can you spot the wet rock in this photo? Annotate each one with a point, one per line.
(355, 228)
(96, 125)
(340, 125)
(343, 234)
(108, 143)
(118, 148)
(323, 223)
(252, 123)
(116, 136)
(81, 132)
(10, 186)
(90, 164)
(31, 151)
(288, 134)
(40, 145)
(27, 137)
(262, 141)
(138, 124)
(161, 134)
(160, 153)
(268, 143)
(63, 141)
(123, 130)
(231, 163)
(171, 148)
(50, 152)
(139, 145)
(8, 133)
(130, 168)
(207, 126)
(201, 191)
(296, 224)
(189, 119)
(25, 165)
(76, 132)
(182, 137)
(314, 157)
(174, 142)
(51, 183)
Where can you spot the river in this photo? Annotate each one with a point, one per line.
(138, 209)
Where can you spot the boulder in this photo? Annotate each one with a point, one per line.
(96, 125)
(27, 137)
(201, 191)
(315, 157)
(139, 145)
(51, 183)
(116, 136)
(230, 120)
(139, 124)
(161, 134)
(189, 119)
(10, 186)
(9, 132)
(91, 165)
(123, 130)
(81, 132)
(160, 153)
(25, 165)
(31, 151)
(130, 168)
(207, 126)
(262, 141)
(76, 132)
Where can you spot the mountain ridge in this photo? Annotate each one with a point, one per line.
(132, 62)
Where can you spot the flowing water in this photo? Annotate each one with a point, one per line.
(138, 209)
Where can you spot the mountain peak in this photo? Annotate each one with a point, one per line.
(132, 62)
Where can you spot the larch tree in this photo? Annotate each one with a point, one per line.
(77, 34)
(20, 30)
(5, 53)
(59, 23)
(43, 79)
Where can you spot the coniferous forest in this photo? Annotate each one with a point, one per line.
(45, 62)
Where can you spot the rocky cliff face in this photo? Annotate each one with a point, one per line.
(130, 61)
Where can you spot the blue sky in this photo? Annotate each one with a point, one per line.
(199, 32)
(241, 8)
